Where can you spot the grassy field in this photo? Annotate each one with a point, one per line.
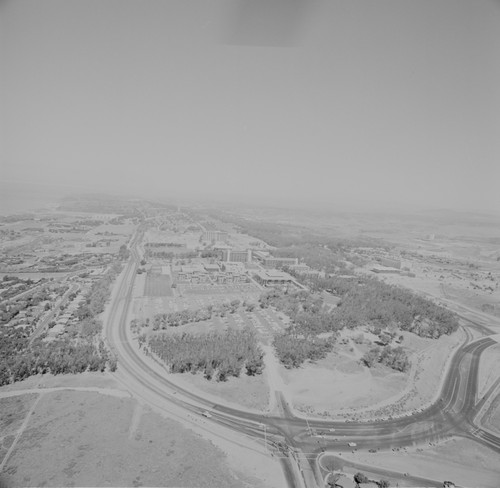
(76, 438)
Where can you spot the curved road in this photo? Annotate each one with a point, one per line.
(452, 414)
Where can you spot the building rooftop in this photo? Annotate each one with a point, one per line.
(193, 268)
(273, 274)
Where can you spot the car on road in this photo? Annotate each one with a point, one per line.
(206, 414)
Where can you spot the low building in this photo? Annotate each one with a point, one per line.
(212, 268)
(194, 273)
(330, 301)
(238, 268)
(390, 262)
(385, 270)
(260, 255)
(273, 262)
(272, 277)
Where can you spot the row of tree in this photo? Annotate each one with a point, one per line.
(85, 352)
(57, 357)
(369, 301)
(98, 294)
(309, 318)
(306, 311)
(217, 355)
(174, 319)
(361, 478)
(293, 349)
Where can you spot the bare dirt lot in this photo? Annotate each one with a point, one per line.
(340, 385)
(463, 461)
(76, 438)
(248, 391)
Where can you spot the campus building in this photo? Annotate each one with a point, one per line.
(211, 268)
(272, 262)
(215, 235)
(385, 270)
(300, 268)
(272, 277)
(390, 262)
(233, 256)
(194, 273)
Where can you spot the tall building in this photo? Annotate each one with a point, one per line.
(215, 235)
(232, 256)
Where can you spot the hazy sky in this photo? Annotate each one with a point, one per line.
(395, 101)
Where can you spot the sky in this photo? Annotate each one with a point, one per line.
(394, 102)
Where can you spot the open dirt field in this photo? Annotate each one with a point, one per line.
(76, 438)
(340, 386)
(84, 380)
(325, 389)
(248, 391)
(462, 461)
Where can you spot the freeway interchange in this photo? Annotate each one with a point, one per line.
(298, 442)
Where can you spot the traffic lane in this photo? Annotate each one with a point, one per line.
(395, 440)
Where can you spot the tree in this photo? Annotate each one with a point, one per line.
(371, 357)
(113, 364)
(123, 253)
(332, 482)
(383, 484)
(360, 478)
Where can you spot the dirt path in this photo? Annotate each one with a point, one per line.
(104, 391)
(277, 387)
(136, 418)
(20, 432)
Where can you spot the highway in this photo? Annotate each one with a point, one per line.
(291, 438)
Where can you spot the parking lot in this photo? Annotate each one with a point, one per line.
(266, 322)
